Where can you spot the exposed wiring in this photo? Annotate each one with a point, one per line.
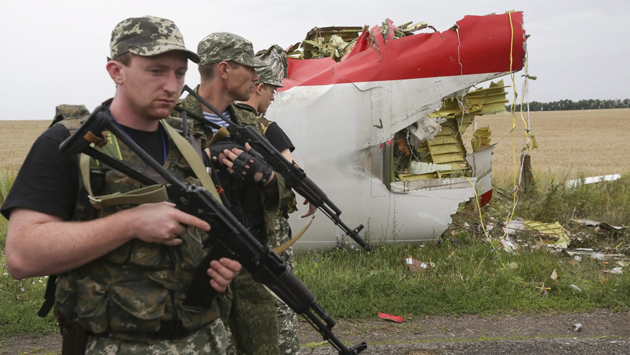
(517, 172)
(483, 226)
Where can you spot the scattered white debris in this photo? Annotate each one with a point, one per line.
(616, 271)
(592, 180)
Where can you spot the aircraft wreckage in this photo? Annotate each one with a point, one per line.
(377, 116)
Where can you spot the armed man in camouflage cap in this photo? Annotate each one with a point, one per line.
(227, 67)
(121, 270)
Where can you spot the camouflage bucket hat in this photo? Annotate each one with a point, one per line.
(267, 76)
(223, 46)
(275, 68)
(148, 36)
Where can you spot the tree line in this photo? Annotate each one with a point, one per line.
(592, 104)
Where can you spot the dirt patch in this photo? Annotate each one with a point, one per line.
(48, 344)
(440, 329)
(438, 332)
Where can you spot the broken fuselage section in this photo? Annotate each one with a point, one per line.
(378, 119)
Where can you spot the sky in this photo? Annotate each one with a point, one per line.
(54, 52)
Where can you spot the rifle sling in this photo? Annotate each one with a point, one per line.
(286, 245)
(154, 193)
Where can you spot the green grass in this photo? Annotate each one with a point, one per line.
(471, 274)
(469, 277)
(19, 300)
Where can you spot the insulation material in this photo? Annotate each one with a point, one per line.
(481, 138)
(554, 233)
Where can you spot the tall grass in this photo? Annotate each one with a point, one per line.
(552, 200)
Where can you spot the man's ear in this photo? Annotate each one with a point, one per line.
(222, 70)
(115, 70)
(259, 88)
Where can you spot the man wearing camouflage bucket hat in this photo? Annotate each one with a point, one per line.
(270, 79)
(263, 92)
(122, 267)
(227, 68)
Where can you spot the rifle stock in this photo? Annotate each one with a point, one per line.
(228, 237)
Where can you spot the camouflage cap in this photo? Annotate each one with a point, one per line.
(148, 36)
(224, 46)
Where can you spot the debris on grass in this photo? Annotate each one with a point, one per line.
(591, 223)
(397, 319)
(616, 271)
(592, 180)
(548, 233)
(417, 266)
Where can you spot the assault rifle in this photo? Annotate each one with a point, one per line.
(294, 176)
(228, 237)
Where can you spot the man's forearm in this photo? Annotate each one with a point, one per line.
(40, 244)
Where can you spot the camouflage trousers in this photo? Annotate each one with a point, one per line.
(252, 320)
(209, 340)
(288, 326)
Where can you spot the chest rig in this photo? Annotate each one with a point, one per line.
(136, 291)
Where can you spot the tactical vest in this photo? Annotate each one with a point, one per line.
(243, 116)
(137, 290)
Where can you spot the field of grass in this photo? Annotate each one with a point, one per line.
(590, 143)
(571, 143)
(17, 137)
(471, 272)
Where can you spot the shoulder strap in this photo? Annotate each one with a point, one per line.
(194, 160)
(49, 297)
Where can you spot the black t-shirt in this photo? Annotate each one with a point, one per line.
(154, 143)
(278, 138)
(48, 181)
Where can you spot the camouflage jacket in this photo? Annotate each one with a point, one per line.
(242, 117)
(134, 290)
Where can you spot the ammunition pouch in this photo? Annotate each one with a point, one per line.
(74, 336)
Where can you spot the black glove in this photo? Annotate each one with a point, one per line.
(219, 147)
(247, 164)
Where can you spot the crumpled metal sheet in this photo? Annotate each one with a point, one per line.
(591, 223)
(592, 180)
(558, 235)
(475, 50)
